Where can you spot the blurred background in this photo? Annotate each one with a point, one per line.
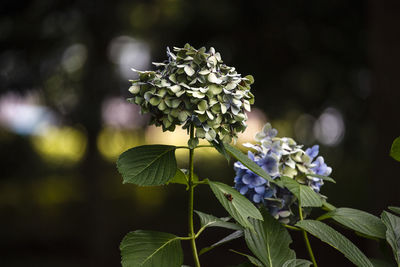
(326, 72)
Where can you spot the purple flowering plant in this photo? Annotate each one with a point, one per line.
(279, 157)
(275, 187)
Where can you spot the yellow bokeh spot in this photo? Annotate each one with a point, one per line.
(255, 123)
(155, 135)
(64, 145)
(179, 137)
(112, 142)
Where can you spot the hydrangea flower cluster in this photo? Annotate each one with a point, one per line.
(195, 87)
(279, 157)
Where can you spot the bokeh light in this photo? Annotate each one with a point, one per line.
(23, 115)
(74, 57)
(61, 145)
(255, 122)
(112, 142)
(117, 113)
(155, 135)
(329, 129)
(128, 52)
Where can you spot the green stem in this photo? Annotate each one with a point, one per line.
(308, 245)
(184, 147)
(200, 182)
(199, 232)
(292, 227)
(203, 146)
(185, 237)
(191, 197)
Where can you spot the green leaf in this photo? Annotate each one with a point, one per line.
(307, 196)
(148, 165)
(238, 206)
(253, 260)
(392, 223)
(244, 264)
(220, 147)
(381, 263)
(325, 178)
(233, 236)
(151, 249)
(395, 209)
(251, 165)
(207, 220)
(327, 206)
(358, 220)
(336, 240)
(263, 242)
(179, 178)
(395, 150)
(297, 263)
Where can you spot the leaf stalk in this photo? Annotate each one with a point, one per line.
(306, 240)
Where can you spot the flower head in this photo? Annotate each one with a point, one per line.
(313, 151)
(279, 157)
(194, 87)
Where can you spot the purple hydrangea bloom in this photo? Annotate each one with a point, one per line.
(267, 133)
(320, 167)
(269, 164)
(261, 193)
(252, 180)
(273, 147)
(313, 151)
(248, 183)
(279, 156)
(316, 185)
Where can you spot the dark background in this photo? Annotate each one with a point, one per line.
(326, 72)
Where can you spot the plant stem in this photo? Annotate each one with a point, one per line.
(308, 245)
(200, 182)
(203, 146)
(291, 227)
(191, 197)
(184, 147)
